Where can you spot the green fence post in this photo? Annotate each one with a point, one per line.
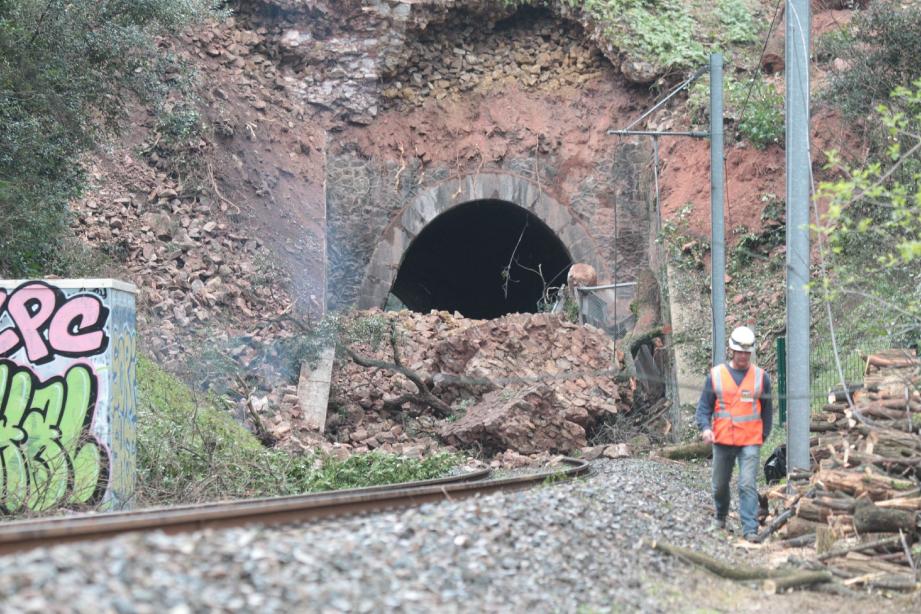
(782, 378)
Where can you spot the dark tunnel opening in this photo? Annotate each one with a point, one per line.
(457, 262)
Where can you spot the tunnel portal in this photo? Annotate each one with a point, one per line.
(484, 258)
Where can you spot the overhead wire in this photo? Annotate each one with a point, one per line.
(742, 113)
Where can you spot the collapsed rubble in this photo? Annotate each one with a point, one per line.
(539, 52)
(525, 383)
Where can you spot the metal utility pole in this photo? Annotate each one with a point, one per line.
(718, 229)
(798, 20)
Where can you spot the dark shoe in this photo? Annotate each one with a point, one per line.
(753, 538)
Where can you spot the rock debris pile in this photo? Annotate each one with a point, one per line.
(534, 51)
(213, 295)
(526, 383)
(195, 269)
(356, 60)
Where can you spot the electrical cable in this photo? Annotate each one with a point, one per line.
(751, 86)
(669, 96)
(767, 39)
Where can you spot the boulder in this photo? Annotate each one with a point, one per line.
(528, 420)
(581, 275)
(639, 71)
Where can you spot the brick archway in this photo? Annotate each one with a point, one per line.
(425, 207)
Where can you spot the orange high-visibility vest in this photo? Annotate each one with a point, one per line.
(737, 411)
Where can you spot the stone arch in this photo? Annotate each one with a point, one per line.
(425, 207)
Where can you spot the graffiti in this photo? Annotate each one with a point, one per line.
(47, 323)
(122, 409)
(67, 394)
(47, 456)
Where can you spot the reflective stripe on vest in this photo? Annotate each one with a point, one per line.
(737, 417)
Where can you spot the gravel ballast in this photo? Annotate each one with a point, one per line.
(576, 546)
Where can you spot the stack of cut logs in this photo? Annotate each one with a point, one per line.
(862, 504)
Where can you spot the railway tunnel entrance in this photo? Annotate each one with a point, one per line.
(484, 245)
(483, 258)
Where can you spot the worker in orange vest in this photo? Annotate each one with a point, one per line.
(734, 414)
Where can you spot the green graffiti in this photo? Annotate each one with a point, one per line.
(47, 456)
(123, 417)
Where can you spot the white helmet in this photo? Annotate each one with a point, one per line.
(742, 339)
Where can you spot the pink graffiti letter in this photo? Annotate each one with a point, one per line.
(77, 314)
(30, 320)
(8, 338)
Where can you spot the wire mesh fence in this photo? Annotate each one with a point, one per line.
(608, 307)
(852, 355)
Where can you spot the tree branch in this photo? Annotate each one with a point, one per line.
(424, 395)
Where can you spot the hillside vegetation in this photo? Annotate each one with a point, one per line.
(66, 69)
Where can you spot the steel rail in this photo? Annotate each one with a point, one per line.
(21, 535)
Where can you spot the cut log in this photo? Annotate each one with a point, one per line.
(884, 462)
(687, 452)
(839, 396)
(837, 504)
(796, 580)
(800, 526)
(825, 538)
(869, 518)
(882, 543)
(854, 483)
(908, 504)
(809, 510)
(820, 426)
(882, 412)
(892, 361)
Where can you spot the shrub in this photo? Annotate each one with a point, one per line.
(752, 104)
(873, 222)
(877, 53)
(65, 67)
(670, 34)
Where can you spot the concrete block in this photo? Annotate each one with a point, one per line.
(68, 379)
(313, 389)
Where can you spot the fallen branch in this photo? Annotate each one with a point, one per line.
(783, 517)
(724, 570)
(882, 543)
(424, 395)
(798, 542)
(262, 434)
(217, 191)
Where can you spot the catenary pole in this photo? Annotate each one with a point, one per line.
(798, 20)
(718, 229)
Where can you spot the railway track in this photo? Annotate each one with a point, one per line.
(23, 535)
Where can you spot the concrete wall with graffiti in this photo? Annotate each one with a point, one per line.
(67, 394)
